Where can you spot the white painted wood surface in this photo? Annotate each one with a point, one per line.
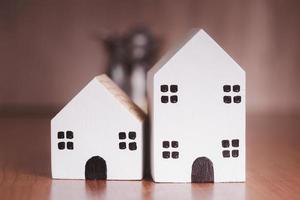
(200, 120)
(96, 116)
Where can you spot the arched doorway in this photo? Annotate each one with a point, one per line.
(202, 171)
(95, 168)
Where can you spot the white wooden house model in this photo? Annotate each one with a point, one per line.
(197, 112)
(98, 135)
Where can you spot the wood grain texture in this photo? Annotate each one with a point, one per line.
(273, 163)
(121, 97)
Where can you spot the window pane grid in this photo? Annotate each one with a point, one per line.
(226, 153)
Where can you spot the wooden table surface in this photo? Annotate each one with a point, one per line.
(273, 167)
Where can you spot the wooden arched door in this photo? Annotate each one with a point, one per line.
(95, 168)
(202, 171)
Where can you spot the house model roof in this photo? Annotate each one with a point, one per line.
(172, 52)
(120, 96)
(181, 46)
(105, 85)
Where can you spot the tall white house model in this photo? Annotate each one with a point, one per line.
(197, 101)
(98, 135)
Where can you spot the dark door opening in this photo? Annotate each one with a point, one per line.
(95, 168)
(202, 171)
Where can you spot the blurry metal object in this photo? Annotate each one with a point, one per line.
(141, 45)
(131, 55)
(118, 68)
(141, 48)
(138, 85)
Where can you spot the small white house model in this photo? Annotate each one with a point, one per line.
(197, 113)
(98, 135)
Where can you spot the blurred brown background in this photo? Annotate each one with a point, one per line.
(49, 50)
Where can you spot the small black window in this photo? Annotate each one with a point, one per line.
(226, 154)
(60, 135)
(227, 99)
(235, 143)
(167, 91)
(164, 99)
(164, 88)
(70, 145)
(132, 146)
(122, 135)
(130, 141)
(226, 88)
(174, 99)
(225, 143)
(175, 154)
(236, 88)
(172, 150)
(166, 144)
(122, 145)
(132, 135)
(166, 154)
(237, 99)
(174, 88)
(174, 144)
(70, 135)
(235, 153)
(61, 145)
(63, 142)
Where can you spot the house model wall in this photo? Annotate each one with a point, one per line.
(197, 101)
(98, 135)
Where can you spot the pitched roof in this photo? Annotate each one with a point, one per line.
(172, 52)
(181, 46)
(121, 96)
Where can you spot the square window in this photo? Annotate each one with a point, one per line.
(70, 145)
(235, 153)
(164, 99)
(166, 154)
(132, 135)
(175, 144)
(166, 144)
(174, 88)
(69, 134)
(225, 143)
(122, 135)
(237, 99)
(60, 135)
(226, 88)
(164, 88)
(236, 88)
(226, 154)
(132, 146)
(227, 99)
(174, 99)
(122, 145)
(235, 143)
(175, 154)
(61, 145)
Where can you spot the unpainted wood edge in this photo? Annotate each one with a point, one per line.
(121, 96)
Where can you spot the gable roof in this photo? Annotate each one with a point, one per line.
(120, 96)
(172, 52)
(181, 45)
